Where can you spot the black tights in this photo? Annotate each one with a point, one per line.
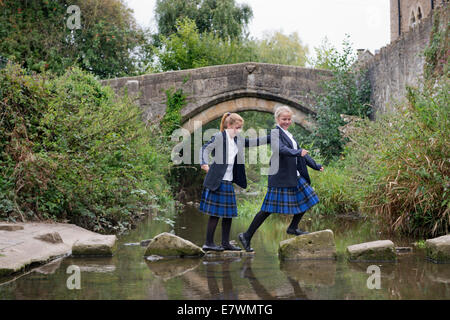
(262, 216)
(211, 228)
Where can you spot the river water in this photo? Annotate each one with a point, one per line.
(127, 275)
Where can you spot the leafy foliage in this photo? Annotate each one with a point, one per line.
(187, 49)
(223, 18)
(171, 121)
(109, 43)
(347, 92)
(278, 48)
(71, 151)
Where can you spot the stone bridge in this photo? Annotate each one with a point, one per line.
(213, 91)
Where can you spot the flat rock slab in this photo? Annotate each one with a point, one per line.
(96, 246)
(27, 245)
(438, 249)
(318, 245)
(169, 245)
(381, 250)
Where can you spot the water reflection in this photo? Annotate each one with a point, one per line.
(311, 272)
(127, 275)
(212, 268)
(171, 268)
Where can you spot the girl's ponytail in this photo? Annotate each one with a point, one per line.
(223, 125)
(229, 119)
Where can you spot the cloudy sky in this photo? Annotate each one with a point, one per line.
(366, 21)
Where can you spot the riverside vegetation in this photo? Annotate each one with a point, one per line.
(70, 150)
(73, 151)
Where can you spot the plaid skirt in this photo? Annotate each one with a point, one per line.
(290, 200)
(220, 203)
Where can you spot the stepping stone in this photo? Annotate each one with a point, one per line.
(225, 254)
(381, 250)
(316, 245)
(169, 245)
(438, 249)
(97, 246)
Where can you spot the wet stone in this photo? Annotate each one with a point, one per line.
(169, 245)
(316, 245)
(438, 249)
(381, 250)
(98, 246)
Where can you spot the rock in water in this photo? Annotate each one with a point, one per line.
(438, 249)
(316, 245)
(97, 246)
(169, 245)
(381, 250)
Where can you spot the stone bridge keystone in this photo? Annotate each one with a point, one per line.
(212, 91)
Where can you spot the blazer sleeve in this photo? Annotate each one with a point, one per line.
(286, 151)
(279, 146)
(311, 163)
(206, 150)
(256, 142)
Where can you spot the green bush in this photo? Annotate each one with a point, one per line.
(399, 164)
(334, 189)
(71, 151)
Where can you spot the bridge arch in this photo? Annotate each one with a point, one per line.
(245, 102)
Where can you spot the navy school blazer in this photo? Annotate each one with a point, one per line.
(290, 161)
(217, 146)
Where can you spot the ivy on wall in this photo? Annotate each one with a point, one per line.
(176, 100)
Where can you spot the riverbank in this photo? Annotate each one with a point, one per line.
(26, 245)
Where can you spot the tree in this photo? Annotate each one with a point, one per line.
(223, 18)
(347, 92)
(276, 47)
(324, 55)
(187, 49)
(35, 33)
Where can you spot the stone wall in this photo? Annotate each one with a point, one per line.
(400, 64)
(411, 13)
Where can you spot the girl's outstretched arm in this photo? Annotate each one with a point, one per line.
(256, 142)
(312, 164)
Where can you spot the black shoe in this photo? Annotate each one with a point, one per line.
(212, 248)
(296, 232)
(245, 243)
(230, 247)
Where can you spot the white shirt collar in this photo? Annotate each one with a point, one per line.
(285, 131)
